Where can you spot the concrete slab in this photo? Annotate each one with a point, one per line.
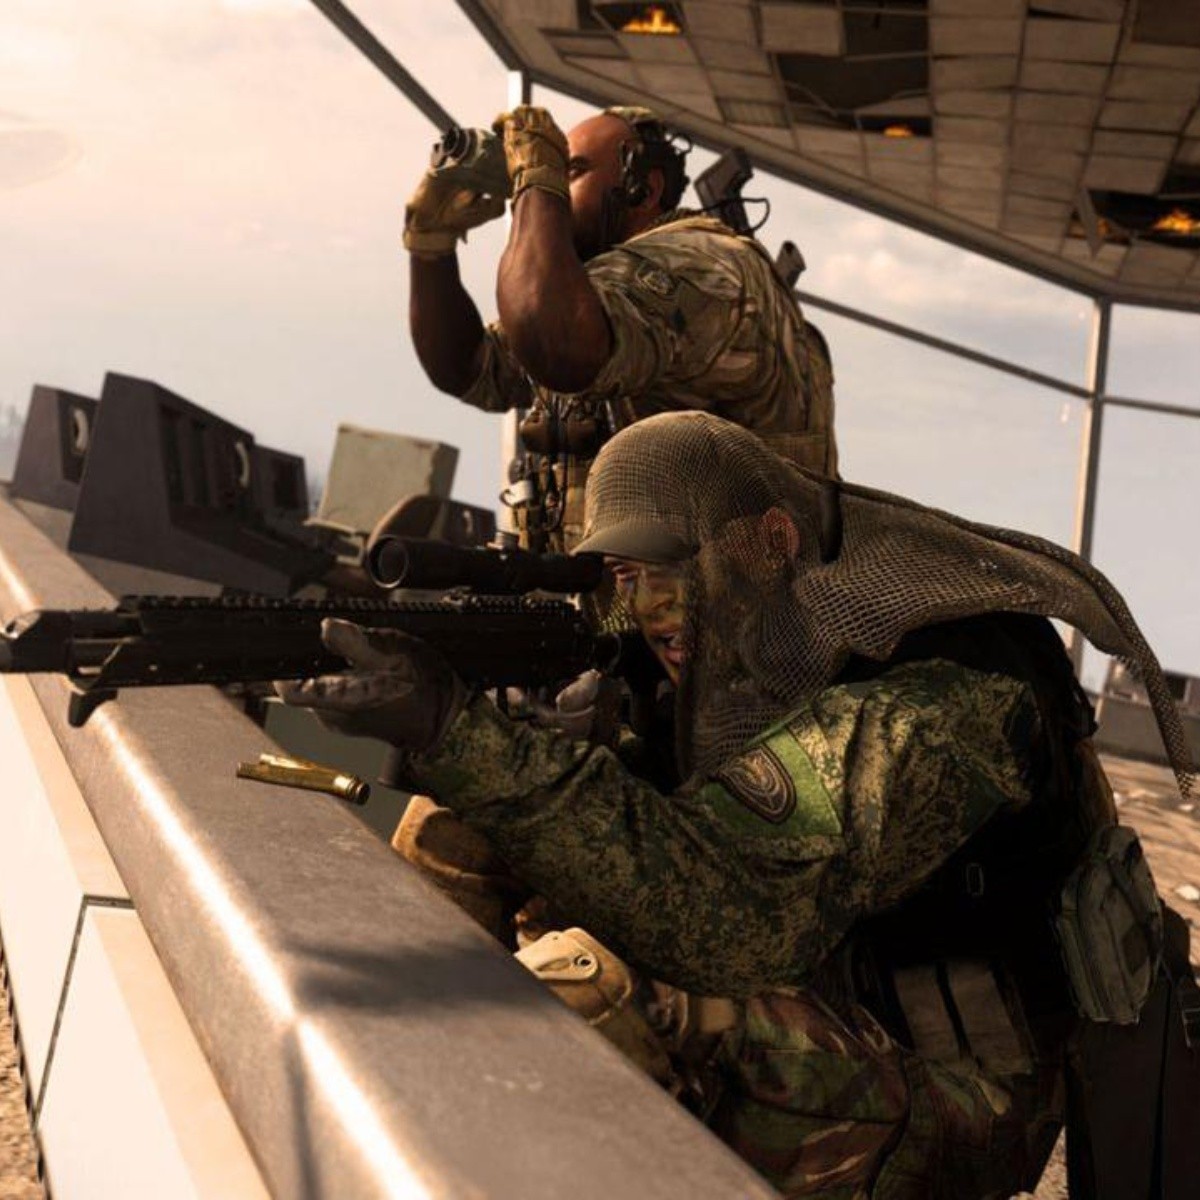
(52, 859)
(132, 1110)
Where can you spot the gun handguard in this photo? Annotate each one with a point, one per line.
(154, 641)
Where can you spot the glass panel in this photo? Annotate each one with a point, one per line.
(952, 434)
(1145, 536)
(1155, 355)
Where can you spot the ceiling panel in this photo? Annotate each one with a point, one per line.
(1064, 40)
(1002, 117)
(1075, 138)
(732, 56)
(993, 103)
(1048, 75)
(1050, 187)
(1128, 114)
(1153, 83)
(979, 71)
(1133, 145)
(802, 29)
(1060, 110)
(716, 19)
(1141, 176)
(977, 8)
(973, 35)
(969, 154)
(1096, 10)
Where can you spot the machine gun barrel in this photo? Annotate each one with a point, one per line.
(420, 563)
(152, 641)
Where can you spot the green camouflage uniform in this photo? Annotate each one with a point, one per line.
(699, 320)
(742, 885)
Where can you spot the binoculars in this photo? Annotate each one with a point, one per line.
(475, 157)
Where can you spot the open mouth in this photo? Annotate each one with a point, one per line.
(670, 646)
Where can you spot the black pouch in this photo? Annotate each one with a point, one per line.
(1133, 1106)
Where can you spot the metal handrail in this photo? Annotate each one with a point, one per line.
(370, 1039)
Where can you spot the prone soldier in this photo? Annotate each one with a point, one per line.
(881, 901)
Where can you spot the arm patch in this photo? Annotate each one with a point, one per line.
(776, 781)
(761, 782)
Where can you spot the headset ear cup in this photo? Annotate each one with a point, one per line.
(636, 190)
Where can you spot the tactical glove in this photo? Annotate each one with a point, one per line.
(535, 149)
(441, 211)
(588, 709)
(398, 688)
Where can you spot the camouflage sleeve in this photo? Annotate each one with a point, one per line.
(674, 311)
(749, 879)
(502, 384)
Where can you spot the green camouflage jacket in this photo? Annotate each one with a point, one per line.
(747, 880)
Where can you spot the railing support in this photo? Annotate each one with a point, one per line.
(1089, 463)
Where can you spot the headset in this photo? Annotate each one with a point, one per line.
(653, 147)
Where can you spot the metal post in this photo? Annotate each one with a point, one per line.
(520, 91)
(1093, 423)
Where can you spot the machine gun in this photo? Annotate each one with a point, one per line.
(494, 635)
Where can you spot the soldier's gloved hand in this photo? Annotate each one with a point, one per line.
(535, 149)
(587, 709)
(441, 211)
(398, 688)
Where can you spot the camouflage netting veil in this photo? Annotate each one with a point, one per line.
(776, 607)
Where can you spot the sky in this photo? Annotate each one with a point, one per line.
(208, 193)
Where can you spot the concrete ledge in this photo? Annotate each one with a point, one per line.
(131, 1109)
(371, 1041)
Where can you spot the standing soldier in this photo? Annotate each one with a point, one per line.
(614, 305)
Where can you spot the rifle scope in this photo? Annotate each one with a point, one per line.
(394, 562)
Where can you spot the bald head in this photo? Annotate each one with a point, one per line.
(594, 171)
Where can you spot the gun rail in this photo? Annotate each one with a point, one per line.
(156, 641)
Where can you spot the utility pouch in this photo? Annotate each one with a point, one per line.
(590, 979)
(1110, 928)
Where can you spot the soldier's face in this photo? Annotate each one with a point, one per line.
(656, 595)
(593, 171)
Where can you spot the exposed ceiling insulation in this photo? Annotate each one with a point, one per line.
(1062, 136)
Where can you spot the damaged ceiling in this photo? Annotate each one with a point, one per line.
(1062, 136)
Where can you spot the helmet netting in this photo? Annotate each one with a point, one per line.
(770, 623)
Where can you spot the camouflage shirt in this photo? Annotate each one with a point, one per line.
(747, 880)
(699, 320)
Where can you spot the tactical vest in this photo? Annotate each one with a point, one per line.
(562, 434)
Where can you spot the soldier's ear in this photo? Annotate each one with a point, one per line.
(780, 534)
(656, 182)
